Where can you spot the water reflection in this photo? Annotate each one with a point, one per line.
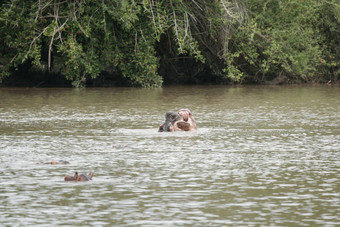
(261, 156)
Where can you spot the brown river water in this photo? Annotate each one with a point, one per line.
(262, 156)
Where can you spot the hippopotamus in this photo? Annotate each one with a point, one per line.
(81, 177)
(181, 121)
(60, 162)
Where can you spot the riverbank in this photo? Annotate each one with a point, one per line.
(105, 79)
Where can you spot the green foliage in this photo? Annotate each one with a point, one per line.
(80, 39)
(240, 40)
(287, 37)
(15, 31)
(78, 64)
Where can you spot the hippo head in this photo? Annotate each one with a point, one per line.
(188, 123)
(70, 178)
(185, 114)
(170, 118)
(84, 177)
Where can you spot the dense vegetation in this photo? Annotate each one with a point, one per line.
(147, 42)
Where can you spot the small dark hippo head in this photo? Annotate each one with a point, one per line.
(170, 118)
(83, 177)
(77, 177)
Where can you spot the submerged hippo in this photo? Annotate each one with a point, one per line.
(60, 162)
(181, 121)
(84, 177)
(81, 177)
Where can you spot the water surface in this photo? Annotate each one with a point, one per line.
(262, 156)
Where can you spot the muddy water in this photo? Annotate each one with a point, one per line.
(262, 156)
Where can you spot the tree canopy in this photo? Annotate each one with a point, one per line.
(237, 41)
